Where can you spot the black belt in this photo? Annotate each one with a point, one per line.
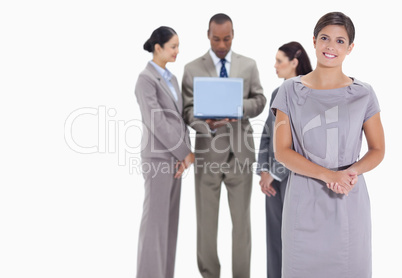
(341, 168)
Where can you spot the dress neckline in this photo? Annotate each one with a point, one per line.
(298, 79)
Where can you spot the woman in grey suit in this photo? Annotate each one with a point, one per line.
(291, 60)
(165, 155)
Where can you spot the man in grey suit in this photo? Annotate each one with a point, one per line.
(224, 151)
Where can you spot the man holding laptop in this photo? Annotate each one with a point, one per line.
(224, 140)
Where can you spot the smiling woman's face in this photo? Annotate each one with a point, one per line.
(332, 45)
(169, 51)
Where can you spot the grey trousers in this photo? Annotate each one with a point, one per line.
(238, 181)
(159, 224)
(273, 214)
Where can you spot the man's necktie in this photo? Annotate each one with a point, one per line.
(223, 73)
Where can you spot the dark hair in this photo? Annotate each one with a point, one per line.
(336, 18)
(219, 19)
(159, 36)
(294, 50)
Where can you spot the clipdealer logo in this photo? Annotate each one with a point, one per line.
(128, 138)
(111, 133)
(327, 123)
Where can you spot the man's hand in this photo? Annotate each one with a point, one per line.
(214, 124)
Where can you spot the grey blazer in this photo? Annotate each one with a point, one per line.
(266, 156)
(237, 136)
(165, 135)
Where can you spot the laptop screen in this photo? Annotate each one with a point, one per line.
(217, 98)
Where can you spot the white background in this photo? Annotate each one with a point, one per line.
(68, 214)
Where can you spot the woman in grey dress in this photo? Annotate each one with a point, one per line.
(320, 120)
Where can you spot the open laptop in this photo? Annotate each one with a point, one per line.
(218, 98)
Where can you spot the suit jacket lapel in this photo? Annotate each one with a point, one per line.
(234, 66)
(165, 86)
(179, 102)
(209, 65)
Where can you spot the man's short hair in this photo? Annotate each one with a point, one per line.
(219, 19)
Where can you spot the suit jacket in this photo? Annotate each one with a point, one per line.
(266, 156)
(165, 135)
(237, 136)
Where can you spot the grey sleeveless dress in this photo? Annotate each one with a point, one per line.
(325, 234)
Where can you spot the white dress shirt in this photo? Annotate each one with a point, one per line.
(218, 64)
(167, 76)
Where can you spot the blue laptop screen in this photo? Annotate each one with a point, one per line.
(216, 97)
